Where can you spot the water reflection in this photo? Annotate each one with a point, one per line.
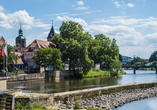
(75, 84)
(146, 104)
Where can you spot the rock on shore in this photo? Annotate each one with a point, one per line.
(112, 100)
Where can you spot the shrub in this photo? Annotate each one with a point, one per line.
(77, 106)
(113, 73)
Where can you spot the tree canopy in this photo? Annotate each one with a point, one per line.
(138, 61)
(81, 51)
(153, 57)
(48, 56)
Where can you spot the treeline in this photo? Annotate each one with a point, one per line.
(138, 61)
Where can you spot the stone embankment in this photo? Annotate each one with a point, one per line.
(109, 97)
(113, 100)
(105, 98)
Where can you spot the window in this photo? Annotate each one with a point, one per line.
(32, 48)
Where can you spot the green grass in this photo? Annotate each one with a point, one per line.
(121, 72)
(96, 73)
(12, 73)
(35, 106)
(146, 68)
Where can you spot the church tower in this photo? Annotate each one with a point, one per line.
(51, 33)
(21, 39)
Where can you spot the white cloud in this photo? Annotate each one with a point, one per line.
(1, 8)
(82, 8)
(130, 5)
(117, 4)
(80, 3)
(130, 41)
(62, 13)
(23, 17)
(89, 12)
(123, 5)
(150, 22)
(42, 25)
(11, 20)
(151, 38)
(67, 18)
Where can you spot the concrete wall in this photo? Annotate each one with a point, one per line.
(3, 84)
(93, 92)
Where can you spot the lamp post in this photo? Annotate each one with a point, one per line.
(134, 59)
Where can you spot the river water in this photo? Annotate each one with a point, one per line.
(76, 84)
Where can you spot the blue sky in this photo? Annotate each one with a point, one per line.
(133, 23)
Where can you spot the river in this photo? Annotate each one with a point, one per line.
(76, 84)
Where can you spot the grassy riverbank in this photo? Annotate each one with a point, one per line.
(100, 73)
(146, 68)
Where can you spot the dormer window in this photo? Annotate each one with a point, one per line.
(32, 48)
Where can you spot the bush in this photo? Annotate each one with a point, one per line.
(95, 69)
(77, 106)
(114, 73)
(27, 71)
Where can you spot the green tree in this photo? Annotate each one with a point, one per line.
(11, 58)
(138, 61)
(70, 29)
(72, 41)
(153, 57)
(48, 56)
(120, 57)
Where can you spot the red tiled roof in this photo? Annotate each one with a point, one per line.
(37, 44)
(21, 59)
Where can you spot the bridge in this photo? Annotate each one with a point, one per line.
(138, 66)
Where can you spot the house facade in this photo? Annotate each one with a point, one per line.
(32, 48)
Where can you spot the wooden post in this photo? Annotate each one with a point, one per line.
(156, 70)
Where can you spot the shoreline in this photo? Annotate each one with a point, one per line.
(109, 97)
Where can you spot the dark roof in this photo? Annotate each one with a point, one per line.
(20, 34)
(20, 37)
(51, 33)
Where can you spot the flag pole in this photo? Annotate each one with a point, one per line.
(3, 58)
(6, 54)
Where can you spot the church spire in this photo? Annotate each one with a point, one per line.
(20, 30)
(51, 33)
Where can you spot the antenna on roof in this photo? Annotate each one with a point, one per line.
(20, 25)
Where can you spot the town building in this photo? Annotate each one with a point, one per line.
(21, 63)
(2, 40)
(32, 48)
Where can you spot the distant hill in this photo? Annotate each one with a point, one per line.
(126, 58)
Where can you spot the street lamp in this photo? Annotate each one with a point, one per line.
(134, 59)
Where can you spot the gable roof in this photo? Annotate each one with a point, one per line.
(2, 40)
(21, 59)
(37, 44)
